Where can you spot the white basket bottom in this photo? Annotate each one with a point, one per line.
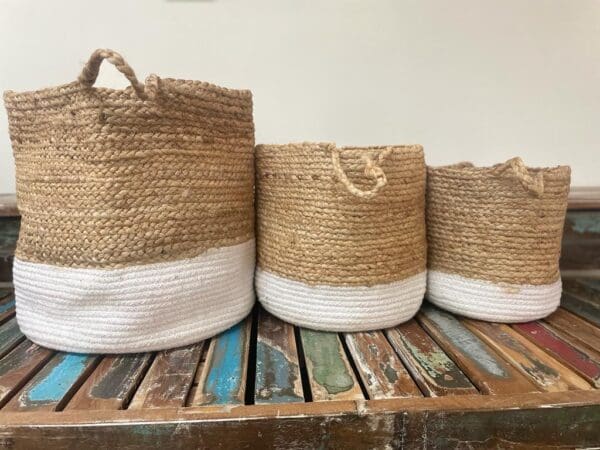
(340, 308)
(138, 308)
(493, 302)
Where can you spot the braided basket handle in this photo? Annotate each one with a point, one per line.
(89, 73)
(515, 167)
(372, 170)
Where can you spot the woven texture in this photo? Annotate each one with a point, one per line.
(111, 178)
(341, 308)
(502, 224)
(341, 217)
(135, 309)
(485, 300)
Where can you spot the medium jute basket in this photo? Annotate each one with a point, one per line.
(137, 211)
(494, 237)
(341, 234)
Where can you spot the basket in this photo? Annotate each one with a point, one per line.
(341, 234)
(137, 211)
(494, 237)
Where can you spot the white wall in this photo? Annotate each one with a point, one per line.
(469, 79)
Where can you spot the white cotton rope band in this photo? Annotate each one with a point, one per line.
(494, 302)
(340, 308)
(138, 308)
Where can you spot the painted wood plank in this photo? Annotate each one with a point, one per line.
(112, 383)
(580, 331)
(329, 372)
(53, 386)
(488, 371)
(17, 368)
(381, 370)
(584, 289)
(434, 372)
(277, 367)
(573, 357)
(587, 310)
(533, 362)
(7, 307)
(169, 379)
(223, 378)
(10, 336)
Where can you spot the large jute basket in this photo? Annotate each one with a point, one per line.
(494, 237)
(137, 211)
(341, 234)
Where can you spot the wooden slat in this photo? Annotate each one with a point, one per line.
(584, 289)
(277, 368)
(584, 197)
(581, 307)
(168, 381)
(562, 350)
(19, 366)
(489, 372)
(8, 205)
(7, 307)
(580, 331)
(112, 383)
(223, 378)
(10, 336)
(533, 362)
(381, 370)
(54, 385)
(330, 374)
(433, 371)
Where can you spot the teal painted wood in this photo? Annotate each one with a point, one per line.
(7, 307)
(53, 386)
(19, 366)
(10, 336)
(484, 367)
(223, 381)
(329, 372)
(277, 368)
(112, 383)
(585, 309)
(434, 372)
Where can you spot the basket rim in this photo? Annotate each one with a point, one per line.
(468, 168)
(292, 146)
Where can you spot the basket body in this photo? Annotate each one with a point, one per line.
(328, 259)
(137, 214)
(494, 239)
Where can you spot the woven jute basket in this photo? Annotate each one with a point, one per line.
(137, 228)
(341, 234)
(494, 237)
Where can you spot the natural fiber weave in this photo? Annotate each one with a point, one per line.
(341, 217)
(502, 224)
(110, 178)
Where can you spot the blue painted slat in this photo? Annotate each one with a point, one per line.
(223, 378)
(55, 383)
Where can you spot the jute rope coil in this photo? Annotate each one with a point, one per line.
(501, 224)
(341, 217)
(109, 178)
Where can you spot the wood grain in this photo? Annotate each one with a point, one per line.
(10, 336)
(7, 307)
(586, 309)
(329, 372)
(169, 378)
(277, 367)
(380, 369)
(223, 378)
(488, 371)
(52, 387)
(562, 350)
(434, 372)
(112, 383)
(580, 331)
(545, 371)
(17, 368)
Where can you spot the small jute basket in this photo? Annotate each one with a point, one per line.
(137, 229)
(341, 234)
(494, 237)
